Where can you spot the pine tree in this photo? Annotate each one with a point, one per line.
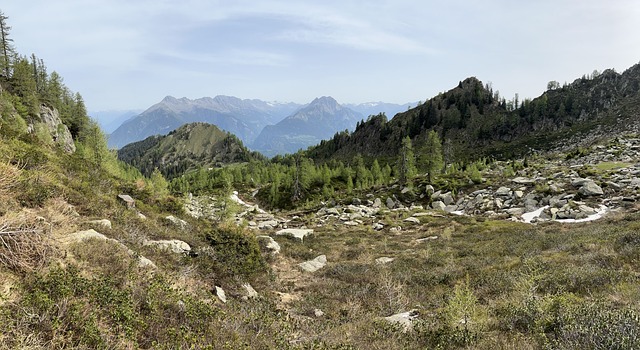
(6, 47)
(406, 162)
(376, 173)
(431, 155)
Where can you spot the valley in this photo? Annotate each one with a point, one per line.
(467, 221)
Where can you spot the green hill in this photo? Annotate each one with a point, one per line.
(189, 147)
(474, 121)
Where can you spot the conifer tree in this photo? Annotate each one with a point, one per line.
(406, 162)
(6, 47)
(431, 155)
(376, 172)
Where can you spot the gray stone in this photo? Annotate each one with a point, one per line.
(384, 260)
(333, 211)
(404, 319)
(426, 239)
(429, 190)
(590, 189)
(390, 203)
(250, 293)
(515, 211)
(59, 132)
(377, 203)
(450, 208)
(352, 223)
(318, 313)
(221, 294)
(518, 194)
(295, 233)
(146, 263)
(447, 198)
(377, 226)
(438, 205)
(127, 200)
(412, 220)
(269, 244)
(268, 225)
(178, 222)
(104, 223)
(314, 265)
(174, 245)
(579, 182)
(405, 190)
(523, 180)
(503, 192)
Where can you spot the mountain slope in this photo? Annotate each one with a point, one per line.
(374, 108)
(190, 146)
(319, 120)
(244, 118)
(474, 121)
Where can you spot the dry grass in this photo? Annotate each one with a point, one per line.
(24, 244)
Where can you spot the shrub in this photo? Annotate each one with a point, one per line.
(236, 251)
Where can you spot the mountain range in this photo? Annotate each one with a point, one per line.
(319, 120)
(242, 117)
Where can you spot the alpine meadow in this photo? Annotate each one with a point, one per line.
(468, 220)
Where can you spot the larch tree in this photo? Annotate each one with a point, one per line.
(431, 158)
(406, 162)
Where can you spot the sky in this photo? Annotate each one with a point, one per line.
(129, 54)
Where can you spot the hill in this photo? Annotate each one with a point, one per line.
(243, 118)
(317, 121)
(474, 121)
(189, 147)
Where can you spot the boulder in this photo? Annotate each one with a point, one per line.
(390, 203)
(104, 223)
(173, 245)
(523, 180)
(268, 225)
(429, 190)
(438, 205)
(590, 189)
(178, 222)
(127, 200)
(447, 198)
(384, 260)
(250, 293)
(404, 319)
(269, 244)
(221, 294)
(59, 132)
(314, 265)
(413, 220)
(295, 233)
(503, 192)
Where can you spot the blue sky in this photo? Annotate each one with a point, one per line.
(129, 54)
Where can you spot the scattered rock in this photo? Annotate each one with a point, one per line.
(221, 294)
(269, 244)
(377, 203)
(146, 263)
(268, 225)
(384, 260)
(438, 205)
(590, 188)
(127, 200)
(295, 233)
(377, 226)
(318, 313)
(426, 239)
(314, 265)
(104, 223)
(178, 222)
(250, 293)
(390, 203)
(412, 220)
(523, 180)
(174, 245)
(404, 319)
(405, 190)
(503, 192)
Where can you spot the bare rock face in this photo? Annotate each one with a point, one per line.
(58, 131)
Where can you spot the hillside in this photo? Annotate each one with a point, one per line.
(243, 118)
(474, 121)
(319, 120)
(189, 147)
